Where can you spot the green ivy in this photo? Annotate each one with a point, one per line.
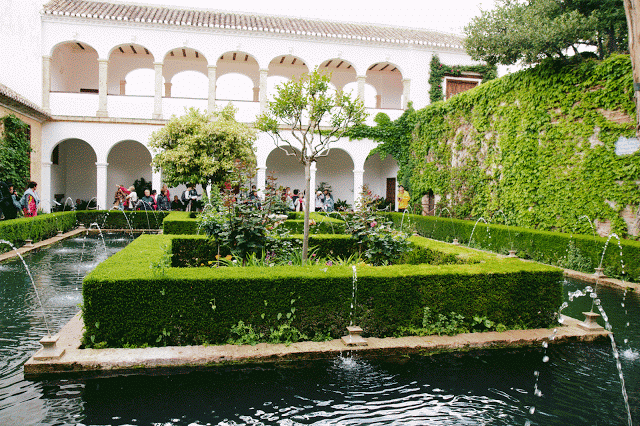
(538, 145)
(15, 151)
(438, 70)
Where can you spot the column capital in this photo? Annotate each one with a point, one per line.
(46, 57)
(101, 164)
(264, 70)
(361, 77)
(156, 64)
(212, 67)
(103, 61)
(406, 80)
(46, 163)
(358, 171)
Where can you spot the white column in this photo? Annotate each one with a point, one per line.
(46, 83)
(103, 65)
(312, 185)
(45, 186)
(212, 88)
(406, 87)
(156, 180)
(157, 98)
(261, 180)
(361, 80)
(358, 181)
(263, 90)
(101, 179)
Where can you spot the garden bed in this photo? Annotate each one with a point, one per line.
(136, 298)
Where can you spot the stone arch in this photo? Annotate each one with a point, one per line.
(377, 171)
(123, 59)
(286, 168)
(336, 169)
(190, 84)
(181, 59)
(386, 78)
(342, 71)
(235, 87)
(237, 64)
(73, 170)
(74, 68)
(288, 66)
(370, 93)
(128, 160)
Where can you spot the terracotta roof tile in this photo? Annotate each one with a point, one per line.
(11, 97)
(92, 9)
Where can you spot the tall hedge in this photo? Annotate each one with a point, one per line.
(37, 228)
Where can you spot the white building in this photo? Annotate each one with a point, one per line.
(110, 73)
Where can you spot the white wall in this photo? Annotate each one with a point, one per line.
(20, 57)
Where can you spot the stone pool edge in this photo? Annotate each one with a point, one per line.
(119, 361)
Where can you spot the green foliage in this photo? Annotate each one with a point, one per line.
(438, 70)
(527, 31)
(538, 145)
(575, 260)
(556, 248)
(180, 223)
(315, 116)
(15, 151)
(200, 148)
(116, 219)
(450, 324)
(37, 228)
(198, 305)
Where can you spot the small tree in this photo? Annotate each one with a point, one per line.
(200, 148)
(307, 117)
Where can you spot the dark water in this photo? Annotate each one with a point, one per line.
(579, 384)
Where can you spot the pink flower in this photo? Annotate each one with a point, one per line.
(374, 223)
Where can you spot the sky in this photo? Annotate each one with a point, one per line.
(448, 16)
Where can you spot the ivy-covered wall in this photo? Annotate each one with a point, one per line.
(538, 145)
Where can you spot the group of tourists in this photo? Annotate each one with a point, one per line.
(294, 200)
(127, 199)
(12, 205)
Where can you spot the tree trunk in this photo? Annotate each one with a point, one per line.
(307, 198)
(632, 10)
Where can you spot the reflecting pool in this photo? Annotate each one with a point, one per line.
(579, 383)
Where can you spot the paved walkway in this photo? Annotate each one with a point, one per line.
(76, 361)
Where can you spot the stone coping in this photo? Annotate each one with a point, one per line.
(118, 361)
(45, 243)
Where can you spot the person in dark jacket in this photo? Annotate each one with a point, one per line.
(163, 200)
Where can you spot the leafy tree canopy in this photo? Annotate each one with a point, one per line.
(200, 148)
(307, 117)
(531, 30)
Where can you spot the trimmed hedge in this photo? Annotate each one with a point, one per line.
(181, 223)
(542, 246)
(37, 228)
(116, 219)
(194, 250)
(151, 303)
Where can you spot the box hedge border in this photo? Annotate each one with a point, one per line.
(36, 228)
(542, 246)
(151, 303)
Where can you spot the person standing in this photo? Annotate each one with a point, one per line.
(319, 201)
(164, 204)
(403, 199)
(7, 201)
(30, 200)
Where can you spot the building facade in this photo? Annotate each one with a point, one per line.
(113, 73)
